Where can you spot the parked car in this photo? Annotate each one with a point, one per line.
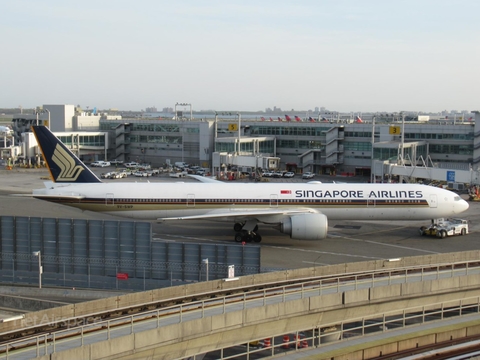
(308, 175)
(116, 162)
(289, 174)
(100, 163)
(132, 164)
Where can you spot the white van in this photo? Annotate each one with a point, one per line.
(181, 164)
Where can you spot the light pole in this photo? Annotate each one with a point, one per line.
(183, 104)
(48, 112)
(205, 261)
(40, 270)
(372, 167)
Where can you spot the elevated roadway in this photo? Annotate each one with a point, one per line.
(318, 305)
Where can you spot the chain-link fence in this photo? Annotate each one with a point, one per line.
(78, 272)
(107, 254)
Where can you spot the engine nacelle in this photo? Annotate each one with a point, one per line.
(306, 226)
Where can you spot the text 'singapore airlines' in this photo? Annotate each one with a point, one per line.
(357, 194)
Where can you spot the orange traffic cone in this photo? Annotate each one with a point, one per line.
(286, 340)
(267, 343)
(297, 341)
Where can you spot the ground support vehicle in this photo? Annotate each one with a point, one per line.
(180, 174)
(100, 163)
(443, 228)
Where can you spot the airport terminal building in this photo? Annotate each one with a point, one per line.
(215, 142)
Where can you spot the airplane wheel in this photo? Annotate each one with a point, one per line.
(257, 238)
(464, 231)
(237, 227)
(238, 237)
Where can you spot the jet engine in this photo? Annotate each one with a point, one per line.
(306, 226)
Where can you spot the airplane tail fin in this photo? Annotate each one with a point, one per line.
(63, 165)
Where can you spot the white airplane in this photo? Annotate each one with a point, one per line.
(301, 210)
(5, 130)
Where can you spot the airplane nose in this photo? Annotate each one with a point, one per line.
(463, 206)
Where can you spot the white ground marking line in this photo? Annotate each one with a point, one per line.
(379, 243)
(322, 252)
(180, 237)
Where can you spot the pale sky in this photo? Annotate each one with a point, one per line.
(242, 55)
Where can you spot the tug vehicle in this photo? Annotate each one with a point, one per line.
(443, 228)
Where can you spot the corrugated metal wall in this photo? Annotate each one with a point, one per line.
(90, 253)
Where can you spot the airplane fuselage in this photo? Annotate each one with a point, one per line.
(156, 200)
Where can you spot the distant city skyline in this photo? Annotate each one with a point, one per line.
(344, 55)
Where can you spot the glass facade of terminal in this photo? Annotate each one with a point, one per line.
(274, 130)
(265, 147)
(341, 145)
(84, 140)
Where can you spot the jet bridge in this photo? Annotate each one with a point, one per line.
(407, 172)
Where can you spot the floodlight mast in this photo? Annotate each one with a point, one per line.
(40, 269)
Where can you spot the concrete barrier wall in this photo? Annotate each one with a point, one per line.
(95, 306)
(416, 341)
(356, 296)
(473, 330)
(385, 292)
(81, 352)
(234, 319)
(451, 334)
(112, 348)
(223, 330)
(380, 350)
(325, 302)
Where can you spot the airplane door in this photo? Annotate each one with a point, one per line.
(191, 200)
(371, 203)
(273, 200)
(109, 199)
(433, 201)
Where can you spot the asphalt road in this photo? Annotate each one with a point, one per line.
(347, 241)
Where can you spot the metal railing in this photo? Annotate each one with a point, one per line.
(78, 331)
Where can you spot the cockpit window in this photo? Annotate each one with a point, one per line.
(457, 198)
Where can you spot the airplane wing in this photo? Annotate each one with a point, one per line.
(270, 215)
(204, 179)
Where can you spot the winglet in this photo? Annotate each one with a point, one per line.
(63, 165)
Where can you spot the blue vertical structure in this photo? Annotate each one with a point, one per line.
(93, 253)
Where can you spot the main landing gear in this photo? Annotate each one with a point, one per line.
(245, 235)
